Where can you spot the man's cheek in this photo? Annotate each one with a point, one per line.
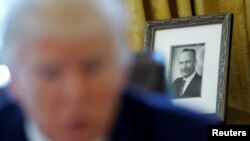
(26, 89)
(43, 94)
(102, 92)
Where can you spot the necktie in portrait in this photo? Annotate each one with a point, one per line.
(182, 88)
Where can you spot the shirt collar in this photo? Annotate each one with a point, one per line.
(34, 133)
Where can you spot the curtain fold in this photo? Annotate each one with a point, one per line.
(239, 82)
(136, 24)
(184, 8)
(248, 19)
(159, 9)
(199, 7)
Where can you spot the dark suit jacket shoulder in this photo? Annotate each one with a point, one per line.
(193, 89)
(142, 117)
(11, 123)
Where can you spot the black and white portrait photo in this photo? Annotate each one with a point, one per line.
(196, 54)
(186, 70)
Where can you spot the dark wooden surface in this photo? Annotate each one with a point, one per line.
(235, 116)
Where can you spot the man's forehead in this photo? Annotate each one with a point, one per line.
(100, 42)
(186, 55)
(66, 52)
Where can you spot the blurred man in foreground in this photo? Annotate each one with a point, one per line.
(68, 65)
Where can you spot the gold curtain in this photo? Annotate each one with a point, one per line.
(239, 82)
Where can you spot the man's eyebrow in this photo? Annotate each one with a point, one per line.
(50, 65)
(186, 60)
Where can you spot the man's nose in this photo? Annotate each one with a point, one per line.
(183, 66)
(74, 88)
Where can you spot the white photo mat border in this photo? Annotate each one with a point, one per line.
(215, 30)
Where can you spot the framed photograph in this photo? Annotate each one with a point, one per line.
(196, 51)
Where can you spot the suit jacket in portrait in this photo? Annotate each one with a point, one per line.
(192, 90)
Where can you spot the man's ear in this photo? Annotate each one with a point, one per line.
(13, 88)
(195, 61)
(124, 78)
